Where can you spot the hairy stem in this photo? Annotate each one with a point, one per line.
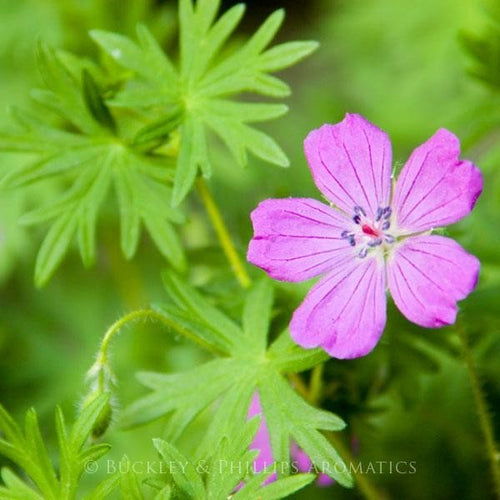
(483, 413)
(102, 362)
(222, 233)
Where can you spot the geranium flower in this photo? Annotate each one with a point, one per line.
(367, 240)
(262, 442)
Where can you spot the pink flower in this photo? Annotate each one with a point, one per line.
(300, 460)
(367, 240)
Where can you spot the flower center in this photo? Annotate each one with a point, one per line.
(369, 234)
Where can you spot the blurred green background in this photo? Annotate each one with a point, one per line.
(403, 66)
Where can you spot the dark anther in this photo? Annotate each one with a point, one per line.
(387, 212)
(386, 225)
(345, 234)
(363, 252)
(380, 212)
(356, 219)
(352, 241)
(375, 243)
(359, 211)
(389, 238)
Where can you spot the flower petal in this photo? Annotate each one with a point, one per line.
(261, 441)
(345, 312)
(435, 188)
(351, 164)
(297, 238)
(427, 275)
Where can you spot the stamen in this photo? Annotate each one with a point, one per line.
(359, 211)
(387, 212)
(386, 225)
(380, 212)
(352, 241)
(356, 219)
(345, 234)
(363, 253)
(389, 238)
(375, 243)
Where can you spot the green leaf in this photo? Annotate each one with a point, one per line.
(16, 488)
(54, 247)
(95, 103)
(289, 417)
(194, 303)
(288, 357)
(201, 87)
(166, 239)
(176, 391)
(285, 55)
(129, 483)
(185, 476)
(257, 313)
(282, 488)
(38, 451)
(130, 220)
(156, 133)
(29, 452)
(187, 163)
(104, 489)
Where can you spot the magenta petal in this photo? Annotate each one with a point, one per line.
(427, 275)
(351, 164)
(297, 238)
(435, 188)
(262, 441)
(345, 312)
(302, 463)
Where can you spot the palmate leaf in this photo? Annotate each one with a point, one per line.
(91, 160)
(229, 468)
(27, 450)
(246, 365)
(206, 82)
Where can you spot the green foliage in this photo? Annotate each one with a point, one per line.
(28, 451)
(86, 147)
(88, 159)
(206, 80)
(245, 366)
(229, 468)
(484, 48)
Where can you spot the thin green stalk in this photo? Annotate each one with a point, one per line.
(148, 314)
(483, 413)
(222, 233)
(101, 365)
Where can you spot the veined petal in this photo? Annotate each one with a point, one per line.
(345, 312)
(427, 275)
(435, 188)
(351, 164)
(297, 238)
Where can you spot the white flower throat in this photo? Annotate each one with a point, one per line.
(369, 233)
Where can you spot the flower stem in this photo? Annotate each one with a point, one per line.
(483, 413)
(222, 233)
(366, 488)
(101, 366)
